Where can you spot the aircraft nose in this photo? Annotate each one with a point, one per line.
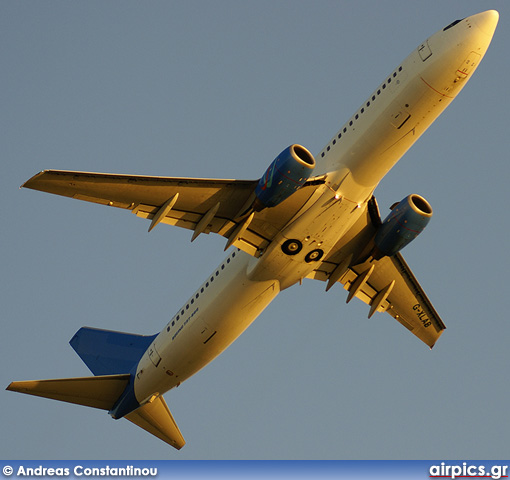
(486, 21)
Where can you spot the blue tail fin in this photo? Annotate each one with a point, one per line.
(106, 352)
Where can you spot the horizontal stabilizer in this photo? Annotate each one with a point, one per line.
(97, 392)
(155, 418)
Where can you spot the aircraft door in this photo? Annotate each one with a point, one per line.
(399, 115)
(154, 355)
(424, 50)
(467, 65)
(202, 330)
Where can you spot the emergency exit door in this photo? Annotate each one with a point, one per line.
(154, 355)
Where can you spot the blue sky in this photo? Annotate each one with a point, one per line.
(218, 89)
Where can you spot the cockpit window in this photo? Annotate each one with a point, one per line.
(452, 24)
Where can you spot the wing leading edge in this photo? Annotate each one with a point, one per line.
(201, 205)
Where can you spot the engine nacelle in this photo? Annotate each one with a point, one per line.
(288, 172)
(405, 222)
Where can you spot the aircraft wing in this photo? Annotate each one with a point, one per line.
(386, 285)
(208, 205)
(201, 205)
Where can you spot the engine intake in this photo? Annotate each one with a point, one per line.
(406, 221)
(286, 174)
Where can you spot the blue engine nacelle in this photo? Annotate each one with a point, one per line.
(405, 222)
(288, 172)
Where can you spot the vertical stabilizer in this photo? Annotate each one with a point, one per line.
(106, 352)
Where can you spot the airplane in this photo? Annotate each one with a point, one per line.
(306, 217)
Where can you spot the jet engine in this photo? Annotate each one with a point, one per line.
(406, 221)
(288, 172)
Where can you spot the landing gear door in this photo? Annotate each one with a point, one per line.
(154, 355)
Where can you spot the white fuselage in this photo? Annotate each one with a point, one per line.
(355, 160)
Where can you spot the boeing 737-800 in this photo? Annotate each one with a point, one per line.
(306, 217)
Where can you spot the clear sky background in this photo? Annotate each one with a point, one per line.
(218, 89)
